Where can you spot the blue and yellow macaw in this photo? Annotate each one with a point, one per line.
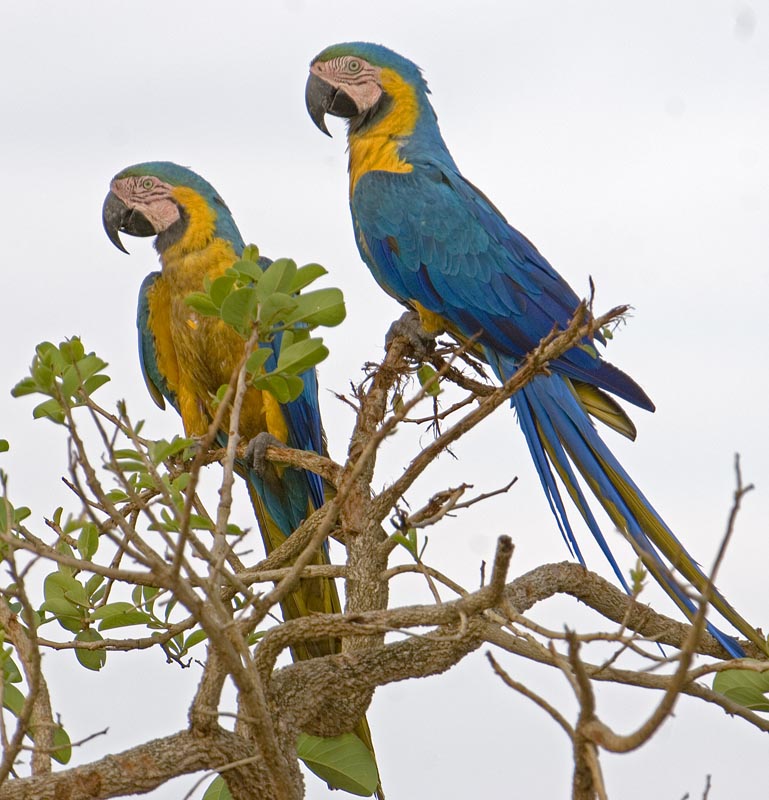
(438, 245)
(186, 357)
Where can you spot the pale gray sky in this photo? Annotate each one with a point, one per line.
(628, 141)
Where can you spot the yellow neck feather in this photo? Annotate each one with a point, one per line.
(201, 221)
(377, 147)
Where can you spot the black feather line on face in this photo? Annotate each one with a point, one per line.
(174, 232)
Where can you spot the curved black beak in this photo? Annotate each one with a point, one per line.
(322, 98)
(116, 217)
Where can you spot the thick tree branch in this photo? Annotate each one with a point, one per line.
(136, 771)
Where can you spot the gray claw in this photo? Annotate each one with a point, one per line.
(256, 452)
(410, 327)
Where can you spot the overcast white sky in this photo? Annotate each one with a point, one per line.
(628, 141)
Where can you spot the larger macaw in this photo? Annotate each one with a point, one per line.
(438, 245)
(186, 357)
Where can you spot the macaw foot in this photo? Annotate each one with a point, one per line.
(409, 326)
(256, 452)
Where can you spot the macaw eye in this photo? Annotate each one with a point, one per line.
(353, 65)
(148, 183)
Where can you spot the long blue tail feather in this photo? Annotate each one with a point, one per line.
(560, 436)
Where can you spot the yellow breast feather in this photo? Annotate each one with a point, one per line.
(203, 352)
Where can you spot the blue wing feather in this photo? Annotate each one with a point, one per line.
(153, 378)
(434, 238)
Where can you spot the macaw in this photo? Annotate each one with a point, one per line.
(186, 357)
(438, 245)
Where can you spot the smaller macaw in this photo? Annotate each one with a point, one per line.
(186, 357)
(436, 243)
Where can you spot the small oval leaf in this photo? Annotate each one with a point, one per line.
(90, 659)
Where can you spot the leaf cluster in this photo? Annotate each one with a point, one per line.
(65, 374)
(272, 300)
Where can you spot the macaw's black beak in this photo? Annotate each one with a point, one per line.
(322, 98)
(116, 217)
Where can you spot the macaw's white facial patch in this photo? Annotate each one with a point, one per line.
(358, 79)
(151, 197)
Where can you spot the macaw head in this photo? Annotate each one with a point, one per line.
(159, 198)
(362, 82)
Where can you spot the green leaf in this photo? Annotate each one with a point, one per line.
(344, 762)
(62, 751)
(321, 307)
(119, 610)
(4, 446)
(247, 271)
(239, 308)
(13, 699)
(301, 356)
(136, 596)
(283, 387)
(92, 584)
(409, 541)
(68, 615)
(90, 659)
(220, 288)
(124, 620)
(170, 605)
(51, 409)
(195, 638)
(90, 365)
(11, 672)
(426, 373)
(202, 303)
(257, 360)
(150, 593)
(92, 384)
(277, 278)
(217, 790)
(88, 542)
(60, 585)
(6, 515)
(306, 275)
(72, 349)
(275, 384)
(24, 386)
(126, 453)
(250, 253)
(276, 307)
(49, 354)
(295, 386)
(744, 687)
(200, 523)
(161, 449)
